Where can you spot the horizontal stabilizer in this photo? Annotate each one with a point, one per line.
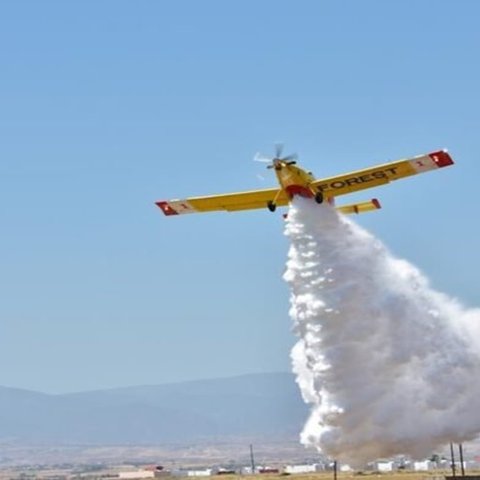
(362, 207)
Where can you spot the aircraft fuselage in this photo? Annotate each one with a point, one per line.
(294, 180)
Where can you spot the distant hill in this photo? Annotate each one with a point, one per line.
(253, 406)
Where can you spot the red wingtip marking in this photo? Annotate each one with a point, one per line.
(441, 158)
(376, 203)
(166, 208)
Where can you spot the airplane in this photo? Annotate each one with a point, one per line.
(295, 181)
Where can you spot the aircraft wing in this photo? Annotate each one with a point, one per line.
(229, 202)
(381, 174)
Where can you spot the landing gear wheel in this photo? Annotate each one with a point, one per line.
(319, 197)
(271, 206)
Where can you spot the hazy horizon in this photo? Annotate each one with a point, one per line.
(119, 387)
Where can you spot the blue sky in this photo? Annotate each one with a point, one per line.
(107, 106)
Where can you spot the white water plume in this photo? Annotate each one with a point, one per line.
(389, 365)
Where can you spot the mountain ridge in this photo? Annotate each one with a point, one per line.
(250, 405)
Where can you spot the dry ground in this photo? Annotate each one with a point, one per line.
(431, 475)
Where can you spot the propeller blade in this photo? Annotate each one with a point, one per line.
(260, 158)
(292, 157)
(278, 150)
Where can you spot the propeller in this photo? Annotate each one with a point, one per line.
(289, 159)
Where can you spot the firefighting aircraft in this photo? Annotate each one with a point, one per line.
(294, 181)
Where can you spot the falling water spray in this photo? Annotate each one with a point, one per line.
(388, 365)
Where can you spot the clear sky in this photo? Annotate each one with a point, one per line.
(107, 106)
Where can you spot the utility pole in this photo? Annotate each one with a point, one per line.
(252, 461)
(460, 449)
(453, 461)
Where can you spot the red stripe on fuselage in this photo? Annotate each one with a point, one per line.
(299, 190)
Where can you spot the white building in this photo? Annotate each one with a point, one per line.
(301, 468)
(136, 474)
(199, 473)
(422, 466)
(384, 466)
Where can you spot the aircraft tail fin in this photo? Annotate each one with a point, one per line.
(361, 207)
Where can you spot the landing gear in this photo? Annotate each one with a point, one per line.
(319, 197)
(271, 206)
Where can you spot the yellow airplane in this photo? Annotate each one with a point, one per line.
(294, 181)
